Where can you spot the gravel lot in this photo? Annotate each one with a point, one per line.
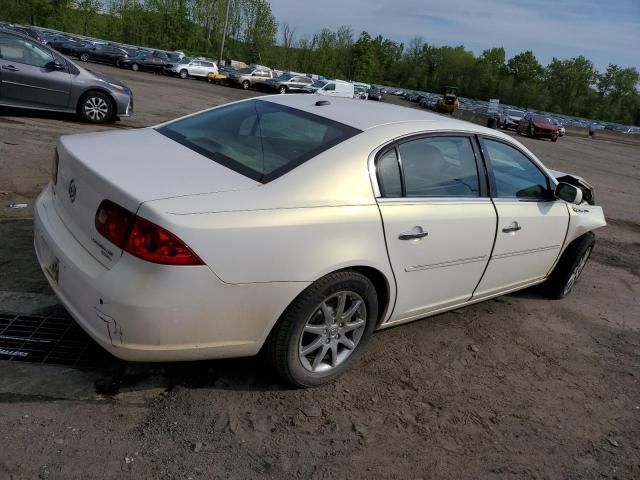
(517, 387)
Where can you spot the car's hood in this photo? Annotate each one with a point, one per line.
(546, 125)
(106, 78)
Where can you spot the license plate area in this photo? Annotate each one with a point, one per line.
(50, 263)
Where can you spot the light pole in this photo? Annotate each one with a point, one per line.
(224, 33)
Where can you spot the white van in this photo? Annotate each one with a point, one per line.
(337, 88)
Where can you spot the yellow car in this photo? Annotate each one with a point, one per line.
(217, 78)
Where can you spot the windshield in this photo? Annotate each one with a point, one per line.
(319, 83)
(185, 60)
(245, 70)
(258, 139)
(542, 119)
(285, 76)
(516, 113)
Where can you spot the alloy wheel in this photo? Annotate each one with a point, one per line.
(573, 278)
(96, 109)
(332, 332)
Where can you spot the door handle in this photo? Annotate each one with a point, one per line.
(514, 227)
(415, 232)
(11, 68)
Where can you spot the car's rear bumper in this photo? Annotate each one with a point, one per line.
(141, 311)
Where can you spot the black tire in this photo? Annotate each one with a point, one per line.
(554, 139)
(246, 85)
(184, 74)
(283, 89)
(84, 57)
(96, 107)
(285, 341)
(135, 67)
(569, 267)
(530, 131)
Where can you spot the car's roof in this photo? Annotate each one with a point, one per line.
(365, 115)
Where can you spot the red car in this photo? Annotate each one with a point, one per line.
(535, 125)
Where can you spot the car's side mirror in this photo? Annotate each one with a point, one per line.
(55, 65)
(568, 193)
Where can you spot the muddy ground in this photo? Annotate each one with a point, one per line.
(517, 387)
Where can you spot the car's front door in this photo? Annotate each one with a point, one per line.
(532, 224)
(439, 221)
(26, 78)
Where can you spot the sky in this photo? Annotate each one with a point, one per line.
(604, 31)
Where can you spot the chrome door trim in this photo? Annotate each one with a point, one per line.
(33, 86)
(448, 263)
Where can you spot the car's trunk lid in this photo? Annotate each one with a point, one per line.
(129, 168)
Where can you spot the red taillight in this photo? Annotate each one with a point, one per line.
(142, 238)
(54, 167)
(113, 222)
(155, 244)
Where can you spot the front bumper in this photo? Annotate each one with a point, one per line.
(124, 103)
(141, 311)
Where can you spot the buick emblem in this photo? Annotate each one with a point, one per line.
(72, 190)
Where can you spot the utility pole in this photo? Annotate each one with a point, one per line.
(224, 34)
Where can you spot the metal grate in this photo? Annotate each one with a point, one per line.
(44, 339)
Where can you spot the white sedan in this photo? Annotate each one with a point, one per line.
(301, 225)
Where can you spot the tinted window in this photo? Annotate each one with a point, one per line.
(330, 87)
(18, 50)
(516, 176)
(258, 139)
(439, 167)
(389, 174)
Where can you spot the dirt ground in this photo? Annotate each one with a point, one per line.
(517, 387)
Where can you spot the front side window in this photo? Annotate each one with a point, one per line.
(515, 175)
(439, 167)
(15, 49)
(258, 139)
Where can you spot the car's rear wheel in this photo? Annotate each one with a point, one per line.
(96, 107)
(246, 85)
(184, 73)
(554, 138)
(135, 67)
(322, 331)
(84, 57)
(570, 266)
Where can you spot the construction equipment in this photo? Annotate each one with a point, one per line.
(448, 102)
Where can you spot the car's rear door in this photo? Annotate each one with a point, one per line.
(25, 79)
(532, 224)
(439, 221)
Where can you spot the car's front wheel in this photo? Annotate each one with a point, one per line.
(322, 331)
(184, 73)
(570, 266)
(96, 107)
(135, 67)
(283, 89)
(84, 57)
(246, 85)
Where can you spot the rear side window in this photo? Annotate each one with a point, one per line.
(389, 174)
(515, 175)
(439, 167)
(258, 139)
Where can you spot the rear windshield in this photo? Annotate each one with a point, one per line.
(258, 139)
